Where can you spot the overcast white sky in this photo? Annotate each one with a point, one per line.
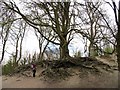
(30, 43)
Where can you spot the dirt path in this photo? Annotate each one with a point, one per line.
(106, 80)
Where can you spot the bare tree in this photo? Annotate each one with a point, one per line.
(117, 20)
(6, 21)
(89, 24)
(22, 34)
(93, 28)
(58, 13)
(92, 22)
(17, 35)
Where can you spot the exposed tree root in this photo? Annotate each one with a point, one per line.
(61, 68)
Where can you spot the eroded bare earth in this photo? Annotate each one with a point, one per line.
(80, 78)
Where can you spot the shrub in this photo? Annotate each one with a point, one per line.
(108, 50)
(8, 68)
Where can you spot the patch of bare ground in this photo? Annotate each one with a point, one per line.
(88, 75)
(77, 80)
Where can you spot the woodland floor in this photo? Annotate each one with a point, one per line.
(79, 78)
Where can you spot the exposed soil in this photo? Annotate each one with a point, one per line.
(103, 80)
(80, 78)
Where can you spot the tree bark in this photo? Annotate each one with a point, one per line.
(4, 44)
(21, 42)
(16, 53)
(3, 51)
(64, 51)
(118, 39)
(91, 50)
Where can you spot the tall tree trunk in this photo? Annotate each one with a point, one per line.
(118, 45)
(91, 50)
(64, 51)
(118, 39)
(16, 53)
(40, 50)
(21, 42)
(20, 53)
(4, 44)
(3, 51)
(91, 47)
